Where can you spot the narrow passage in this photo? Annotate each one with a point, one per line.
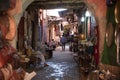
(61, 67)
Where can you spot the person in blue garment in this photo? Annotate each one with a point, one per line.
(63, 41)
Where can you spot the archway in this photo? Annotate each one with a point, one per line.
(99, 10)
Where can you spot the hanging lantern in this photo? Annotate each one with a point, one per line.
(82, 36)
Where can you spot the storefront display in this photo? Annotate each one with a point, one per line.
(10, 60)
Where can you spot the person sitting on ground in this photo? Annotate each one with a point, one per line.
(42, 58)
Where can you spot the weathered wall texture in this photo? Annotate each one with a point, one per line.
(17, 17)
(98, 7)
(25, 4)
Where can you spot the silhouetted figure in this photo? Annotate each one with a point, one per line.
(63, 41)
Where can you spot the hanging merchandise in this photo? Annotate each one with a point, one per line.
(20, 32)
(12, 29)
(5, 53)
(17, 9)
(117, 42)
(96, 45)
(109, 51)
(117, 12)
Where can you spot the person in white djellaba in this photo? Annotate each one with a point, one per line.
(42, 58)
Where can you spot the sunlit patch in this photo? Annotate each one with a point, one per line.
(54, 12)
(59, 69)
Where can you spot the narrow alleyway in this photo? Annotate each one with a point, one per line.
(61, 67)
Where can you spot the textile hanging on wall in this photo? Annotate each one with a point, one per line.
(109, 52)
(21, 34)
(96, 46)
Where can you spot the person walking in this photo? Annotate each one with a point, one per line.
(63, 41)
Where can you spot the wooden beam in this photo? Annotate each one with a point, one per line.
(52, 5)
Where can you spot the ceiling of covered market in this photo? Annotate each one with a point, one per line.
(50, 4)
(72, 6)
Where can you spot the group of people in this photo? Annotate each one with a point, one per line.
(63, 40)
(53, 44)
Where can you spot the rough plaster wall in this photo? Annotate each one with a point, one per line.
(98, 8)
(17, 17)
(25, 4)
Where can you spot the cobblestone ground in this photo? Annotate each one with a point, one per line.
(61, 67)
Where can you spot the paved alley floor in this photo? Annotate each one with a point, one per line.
(61, 67)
